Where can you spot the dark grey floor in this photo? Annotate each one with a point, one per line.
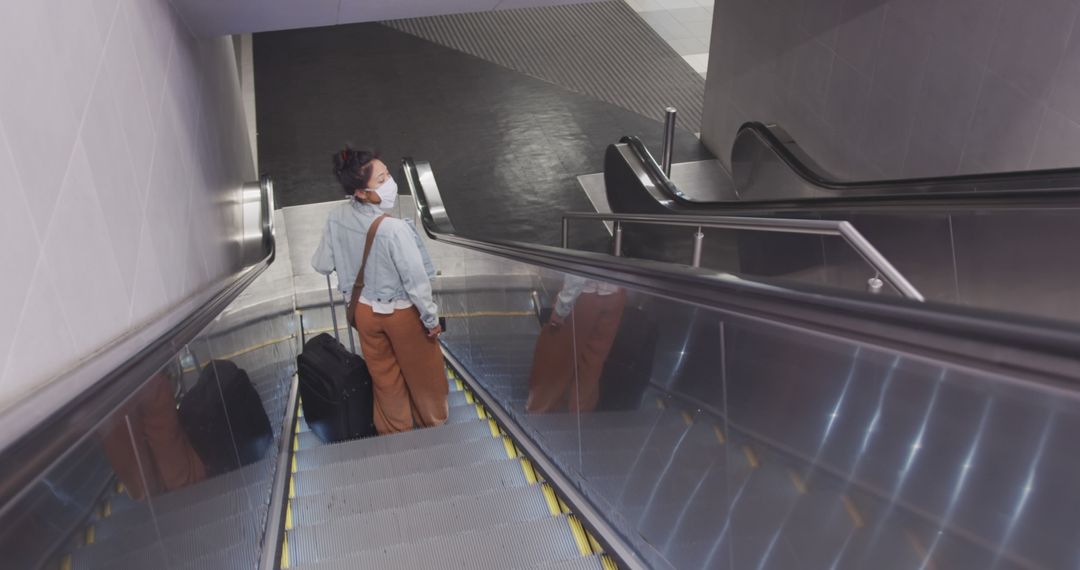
(506, 148)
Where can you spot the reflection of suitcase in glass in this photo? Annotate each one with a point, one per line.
(630, 363)
(335, 391)
(224, 418)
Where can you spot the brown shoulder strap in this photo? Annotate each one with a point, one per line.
(358, 285)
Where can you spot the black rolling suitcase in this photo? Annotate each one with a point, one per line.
(335, 389)
(224, 418)
(629, 365)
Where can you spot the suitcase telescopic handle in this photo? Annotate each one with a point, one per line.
(333, 309)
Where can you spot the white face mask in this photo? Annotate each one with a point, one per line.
(387, 193)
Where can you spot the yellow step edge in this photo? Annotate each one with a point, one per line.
(479, 411)
(66, 562)
(296, 442)
(607, 563)
(91, 534)
(288, 516)
(509, 447)
(292, 487)
(469, 398)
(751, 457)
(593, 543)
(294, 464)
(459, 385)
(551, 500)
(530, 475)
(579, 536)
(494, 427)
(285, 550)
(562, 506)
(852, 511)
(106, 509)
(797, 481)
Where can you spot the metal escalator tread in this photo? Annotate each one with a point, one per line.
(587, 563)
(453, 399)
(373, 446)
(233, 501)
(367, 496)
(515, 545)
(201, 536)
(457, 415)
(341, 536)
(344, 474)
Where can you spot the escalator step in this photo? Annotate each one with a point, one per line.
(457, 415)
(341, 536)
(453, 399)
(439, 485)
(386, 444)
(515, 545)
(392, 465)
(169, 521)
(587, 563)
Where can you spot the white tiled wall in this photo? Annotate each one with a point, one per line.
(122, 150)
(902, 87)
(684, 24)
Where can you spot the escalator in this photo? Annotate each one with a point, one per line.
(994, 241)
(675, 418)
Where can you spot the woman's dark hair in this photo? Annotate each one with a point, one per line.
(353, 168)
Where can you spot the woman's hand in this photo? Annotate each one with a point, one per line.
(555, 321)
(434, 332)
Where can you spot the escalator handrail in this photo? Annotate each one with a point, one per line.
(40, 430)
(837, 228)
(1035, 352)
(1004, 189)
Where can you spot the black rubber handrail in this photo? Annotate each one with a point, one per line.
(994, 190)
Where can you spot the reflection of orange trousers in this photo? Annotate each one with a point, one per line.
(577, 349)
(162, 450)
(406, 369)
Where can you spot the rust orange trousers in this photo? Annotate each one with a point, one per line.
(406, 368)
(576, 350)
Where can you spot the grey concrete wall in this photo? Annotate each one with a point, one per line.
(887, 88)
(123, 147)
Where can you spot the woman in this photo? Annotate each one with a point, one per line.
(395, 314)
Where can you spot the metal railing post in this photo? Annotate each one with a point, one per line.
(699, 239)
(618, 239)
(669, 140)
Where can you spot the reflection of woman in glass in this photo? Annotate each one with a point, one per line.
(162, 458)
(574, 344)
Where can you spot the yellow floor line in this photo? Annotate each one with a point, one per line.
(852, 511)
(490, 314)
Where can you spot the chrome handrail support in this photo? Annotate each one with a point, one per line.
(669, 140)
(838, 228)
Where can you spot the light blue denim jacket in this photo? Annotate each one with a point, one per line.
(398, 267)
